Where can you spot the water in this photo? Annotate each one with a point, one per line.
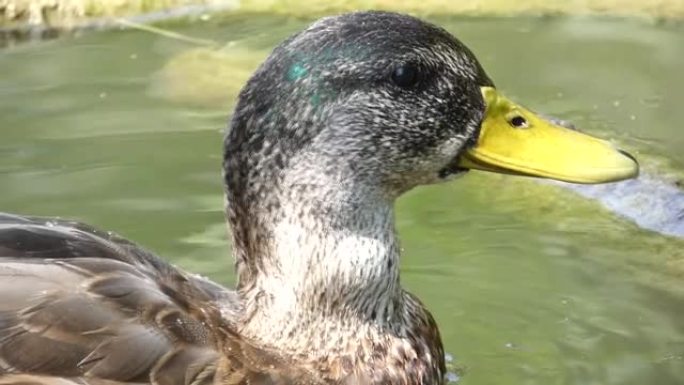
(531, 283)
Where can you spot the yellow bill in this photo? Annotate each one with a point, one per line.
(514, 140)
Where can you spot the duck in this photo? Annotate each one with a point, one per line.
(337, 123)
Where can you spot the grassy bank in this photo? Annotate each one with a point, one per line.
(667, 9)
(66, 13)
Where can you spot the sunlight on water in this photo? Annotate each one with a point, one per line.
(531, 283)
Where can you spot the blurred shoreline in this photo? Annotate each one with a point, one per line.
(24, 15)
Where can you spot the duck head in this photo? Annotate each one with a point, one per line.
(398, 102)
(378, 97)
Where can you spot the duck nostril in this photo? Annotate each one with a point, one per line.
(518, 122)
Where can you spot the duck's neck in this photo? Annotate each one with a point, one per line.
(323, 261)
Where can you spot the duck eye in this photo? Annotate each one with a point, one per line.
(518, 122)
(405, 75)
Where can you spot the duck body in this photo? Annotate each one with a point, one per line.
(82, 306)
(331, 129)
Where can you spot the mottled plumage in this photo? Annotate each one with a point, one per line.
(338, 122)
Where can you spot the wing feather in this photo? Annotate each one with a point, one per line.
(81, 306)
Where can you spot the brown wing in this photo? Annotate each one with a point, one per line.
(86, 307)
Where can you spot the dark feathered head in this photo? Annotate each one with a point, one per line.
(377, 96)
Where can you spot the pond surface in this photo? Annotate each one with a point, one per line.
(529, 282)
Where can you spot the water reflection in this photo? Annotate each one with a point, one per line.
(530, 282)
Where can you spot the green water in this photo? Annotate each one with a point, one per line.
(530, 283)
